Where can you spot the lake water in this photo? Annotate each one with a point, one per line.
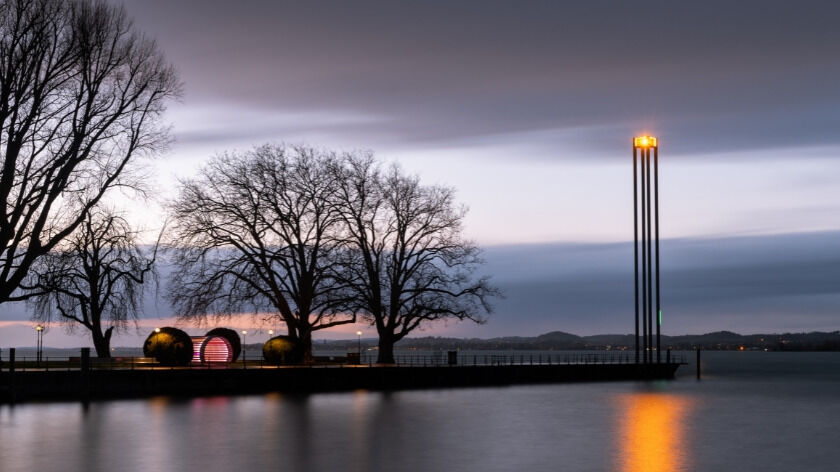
(753, 411)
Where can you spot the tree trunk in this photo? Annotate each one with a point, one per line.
(305, 345)
(102, 342)
(386, 349)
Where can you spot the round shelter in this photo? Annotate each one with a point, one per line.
(212, 348)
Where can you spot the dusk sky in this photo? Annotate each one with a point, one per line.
(528, 110)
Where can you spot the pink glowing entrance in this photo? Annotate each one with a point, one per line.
(211, 349)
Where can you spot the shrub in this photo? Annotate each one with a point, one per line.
(282, 350)
(170, 346)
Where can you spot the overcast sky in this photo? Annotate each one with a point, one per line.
(528, 109)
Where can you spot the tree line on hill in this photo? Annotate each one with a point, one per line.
(313, 238)
(558, 340)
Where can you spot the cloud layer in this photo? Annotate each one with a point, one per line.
(706, 77)
(750, 284)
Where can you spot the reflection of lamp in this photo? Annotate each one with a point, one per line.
(652, 437)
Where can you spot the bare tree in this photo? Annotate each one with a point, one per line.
(257, 230)
(81, 96)
(94, 279)
(407, 264)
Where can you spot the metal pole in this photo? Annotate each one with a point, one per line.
(698, 363)
(644, 261)
(656, 208)
(649, 262)
(636, 247)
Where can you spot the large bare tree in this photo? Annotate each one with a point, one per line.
(407, 262)
(93, 279)
(81, 96)
(257, 230)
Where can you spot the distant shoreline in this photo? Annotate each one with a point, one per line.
(561, 341)
(816, 341)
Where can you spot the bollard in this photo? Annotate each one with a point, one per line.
(452, 357)
(698, 364)
(12, 374)
(84, 374)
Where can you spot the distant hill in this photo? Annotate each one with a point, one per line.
(558, 340)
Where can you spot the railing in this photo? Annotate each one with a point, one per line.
(477, 359)
(367, 359)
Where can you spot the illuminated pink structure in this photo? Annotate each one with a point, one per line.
(211, 349)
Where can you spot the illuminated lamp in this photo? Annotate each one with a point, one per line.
(644, 142)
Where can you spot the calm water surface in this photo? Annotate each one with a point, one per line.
(752, 411)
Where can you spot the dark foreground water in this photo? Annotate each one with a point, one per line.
(753, 411)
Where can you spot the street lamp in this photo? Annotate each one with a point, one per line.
(642, 177)
(157, 330)
(39, 349)
(244, 333)
(359, 335)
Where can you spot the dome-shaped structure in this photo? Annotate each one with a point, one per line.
(282, 350)
(212, 349)
(232, 338)
(170, 346)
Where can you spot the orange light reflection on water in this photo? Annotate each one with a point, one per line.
(652, 435)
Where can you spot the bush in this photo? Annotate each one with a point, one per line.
(170, 346)
(231, 336)
(282, 350)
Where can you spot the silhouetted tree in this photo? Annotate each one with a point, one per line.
(407, 263)
(94, 279)
(257, 230)
(81, 96)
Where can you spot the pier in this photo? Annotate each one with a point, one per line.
(84, 379)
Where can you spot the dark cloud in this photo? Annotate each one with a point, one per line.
(706, 76)
(747, 284)
(786, 282)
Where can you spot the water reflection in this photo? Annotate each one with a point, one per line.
(653, 427)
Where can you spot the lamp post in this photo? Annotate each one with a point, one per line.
(649, 236)
(39, 343)
(244, 333)
(359, 336)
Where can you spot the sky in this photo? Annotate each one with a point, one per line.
(528, 110)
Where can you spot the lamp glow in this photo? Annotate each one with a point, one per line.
(157, 330)
(645, 141)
